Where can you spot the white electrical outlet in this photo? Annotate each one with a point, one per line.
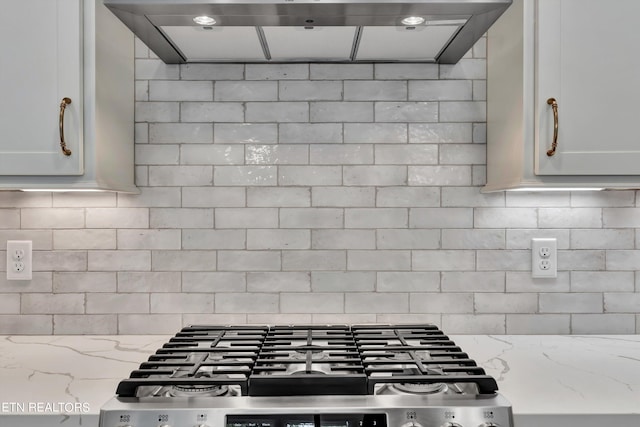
(544, 258)
(19, 259)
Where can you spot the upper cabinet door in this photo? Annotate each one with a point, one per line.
(587, 60)
(40, 64)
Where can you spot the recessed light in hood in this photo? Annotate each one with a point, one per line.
(309, 30)
(204, 20)
(413, 20)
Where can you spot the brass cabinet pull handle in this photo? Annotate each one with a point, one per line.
(63, 145)
(554, 145)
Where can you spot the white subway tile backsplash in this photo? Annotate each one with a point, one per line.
(571, 303)
(218, 154)
(212, 71)
(132, 324)
(104, 303)
(311, 303)
(84, 239)
(331, 154)
(184, 260)
(181, 303)
(406, 71)
(441, 303)
(246, 91)
(341, 111)
(473, 281)
(341, 71)
(506, 303)
(279, 112)
(539, 324)
(168, 176)
(408, 281)
(276, 71)
(314, 260)
(52, 303)
(41, 218)
(379, 260)
(310, 133)
(278, 239)
(441, 217)
(279, 197)
(439, 175)
(212, 197)
(406, 112)
(374, 175)
(343, 281)
(26, 324)
(250, 303)
(317, 193)
(305, 90)
(157, 111)
(311, 218)
(407, 239)
(373, 133)
(249, 261)
(180, 133)
(245, 133)
(130, 281)
(603, 239)
(440, 133)
(212, 239)
(440, 90)
(343, 196)
(505, 218)
(87, 324)
(474, 323)
(473, 239)
(213, 282)
(120, 260)
(246, 218)
(277, 154)
(393, 154)
(245, 175)
(602, 324)
(378, 303)
(180, 90)
(376, 90)
(9, 304)
(343, 239)
(180, 218)
(211, 112)
(279, 282)
(70, 282)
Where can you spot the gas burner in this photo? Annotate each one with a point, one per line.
(198, 391)
(419, 388)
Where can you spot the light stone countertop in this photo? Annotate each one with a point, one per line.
(550, 380)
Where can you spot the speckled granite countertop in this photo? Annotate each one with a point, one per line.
(550, 380)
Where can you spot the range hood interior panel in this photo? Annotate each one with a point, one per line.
(198, 44)
(317, 43)
(404, 43)
(258, 30)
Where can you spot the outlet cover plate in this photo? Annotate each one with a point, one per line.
(19, 251)
(544, 258)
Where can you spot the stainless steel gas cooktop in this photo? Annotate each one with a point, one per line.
(308, 376)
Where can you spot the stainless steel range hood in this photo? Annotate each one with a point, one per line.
(309, 30)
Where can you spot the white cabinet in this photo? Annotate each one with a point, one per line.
(583, 54)
(74, 49)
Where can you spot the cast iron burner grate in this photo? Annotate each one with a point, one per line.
(207, 361)
(198, 358)
(308, 360)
